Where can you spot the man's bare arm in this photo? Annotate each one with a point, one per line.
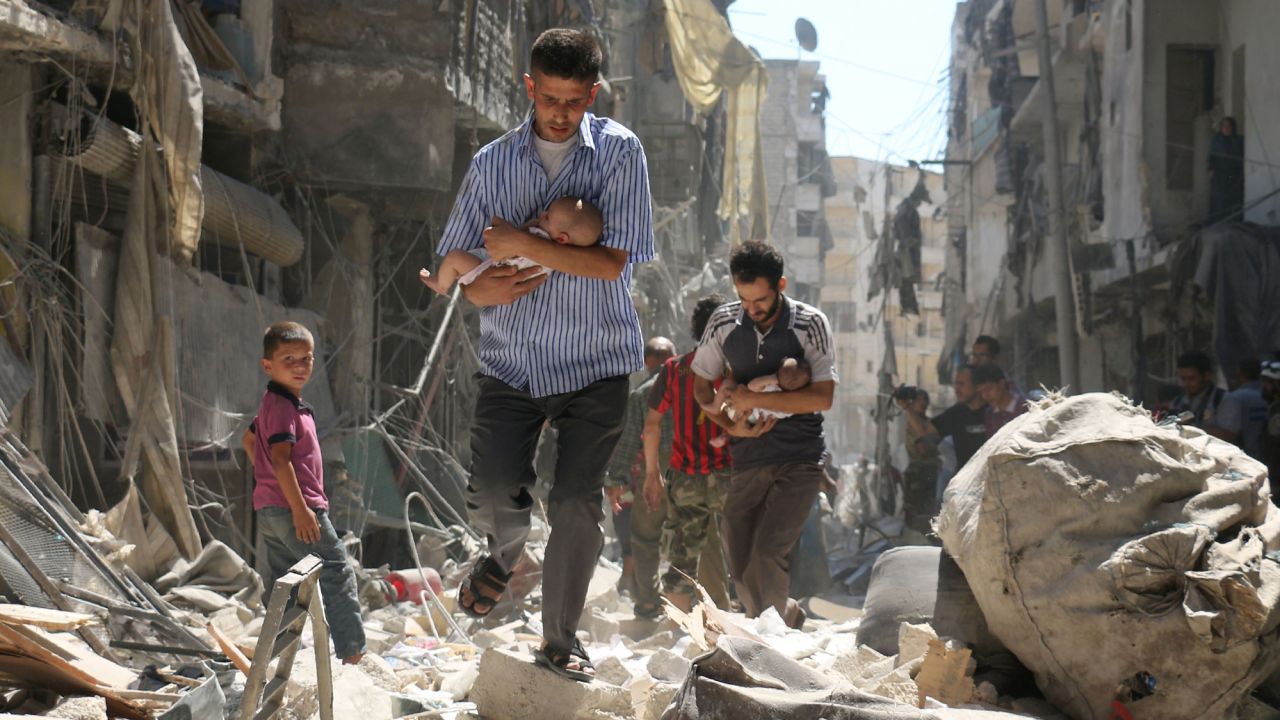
(504, 240)
(705, 393)
(814, 397)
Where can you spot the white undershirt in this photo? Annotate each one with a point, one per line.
(553, 154)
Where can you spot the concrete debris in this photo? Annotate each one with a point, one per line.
(913, 642)
(510, 685)
(898, 686)
(80, 708)
(660, 696)
(612, 671)
(355, 694)
(946, 675)
(666, 665)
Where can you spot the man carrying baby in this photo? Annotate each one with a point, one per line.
(556, 347)
(777, 462)
(568, 221)
(793, 374)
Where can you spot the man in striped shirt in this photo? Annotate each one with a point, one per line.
(695, 480)
(777, 463)
(555, 347)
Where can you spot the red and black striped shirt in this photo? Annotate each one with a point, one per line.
(691, 449)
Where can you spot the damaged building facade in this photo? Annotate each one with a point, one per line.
(862, 210)
(1140, 89)
(173, 178)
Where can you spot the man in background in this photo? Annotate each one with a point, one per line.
(639, 527)
(1200, 396)
(1004, 403)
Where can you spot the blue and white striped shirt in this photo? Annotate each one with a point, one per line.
(571, 331)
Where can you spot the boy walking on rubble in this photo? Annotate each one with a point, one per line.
(288, 485)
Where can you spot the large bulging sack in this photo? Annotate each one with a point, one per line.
(1101, 546)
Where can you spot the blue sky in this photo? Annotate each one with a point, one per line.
(885, 63)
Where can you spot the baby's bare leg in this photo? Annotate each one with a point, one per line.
(454, 265)
(760, 383)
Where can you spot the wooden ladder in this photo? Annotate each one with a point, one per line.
(295, 596)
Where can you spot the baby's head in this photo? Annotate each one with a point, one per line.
(572, 221)
(793, 374)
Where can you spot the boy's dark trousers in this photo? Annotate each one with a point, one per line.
(503, 438)
(337, 579)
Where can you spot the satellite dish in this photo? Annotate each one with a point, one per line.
(806, 34)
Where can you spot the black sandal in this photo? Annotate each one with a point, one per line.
(558, 662)
(486, 574)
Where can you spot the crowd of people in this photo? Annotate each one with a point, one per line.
(1245, 413)
(986, 400)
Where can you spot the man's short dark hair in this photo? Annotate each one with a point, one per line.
(752, 260)
(984, 374)
(1251, 369)
(993, 345)
(284, 333)
(702, 313)
(566, 53)
(967, 367)
(1196, 360)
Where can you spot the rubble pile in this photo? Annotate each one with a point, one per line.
(922, 645)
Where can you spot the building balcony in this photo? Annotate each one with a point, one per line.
(1069, 82)
(27, 31)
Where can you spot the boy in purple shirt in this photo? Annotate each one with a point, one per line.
(288, 492)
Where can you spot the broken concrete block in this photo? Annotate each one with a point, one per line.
(380, 672)
(898, 686)
(946, 674)
(486, 639)
(660, 640)
(80, 708)
(851, 667)
(666, 665)
(660, 696)
(638, 628)
(598, 624)
(354, 694)
(612, 671)
(458, 682)
(913, 641)
(422, 677)
(512, 686)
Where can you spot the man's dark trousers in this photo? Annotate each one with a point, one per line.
(504, 436)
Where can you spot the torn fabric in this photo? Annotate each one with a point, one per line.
(143, 362)
(710, 61)
(168, 91)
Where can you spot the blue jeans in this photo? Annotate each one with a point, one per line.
(337, 580)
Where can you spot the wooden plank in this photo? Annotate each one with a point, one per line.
(229, 649)
(35, 673)
(43, 617)
(63, 654)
